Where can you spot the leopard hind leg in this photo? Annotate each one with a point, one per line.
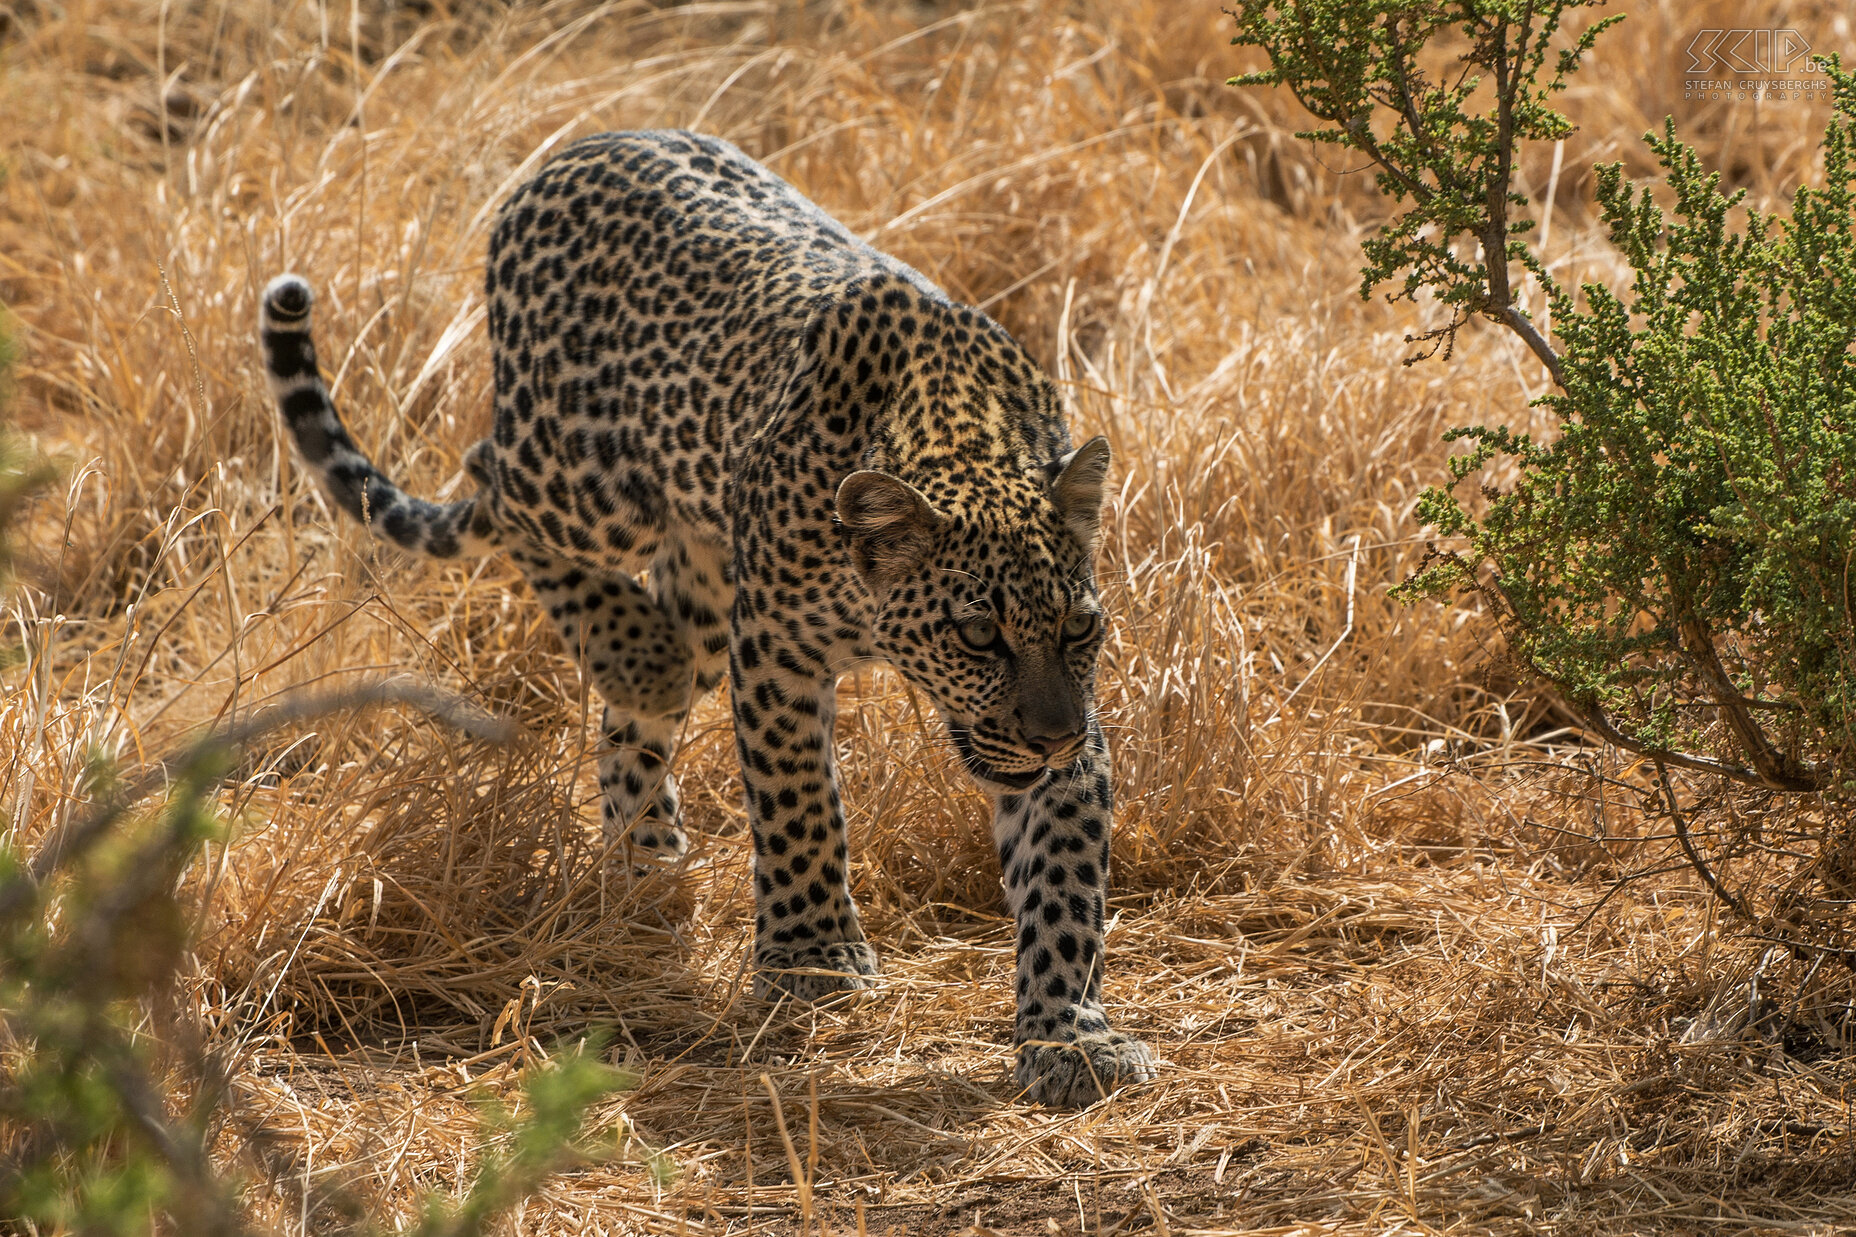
(651, 652)
(636, 657)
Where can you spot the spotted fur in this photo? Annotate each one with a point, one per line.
(817, 460)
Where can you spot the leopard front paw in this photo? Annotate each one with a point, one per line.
(1080, 1071)
(814, 972)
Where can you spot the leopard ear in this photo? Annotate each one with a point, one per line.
(888, 524)
(1076, 482)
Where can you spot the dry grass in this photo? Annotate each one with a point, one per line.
(1355, 883)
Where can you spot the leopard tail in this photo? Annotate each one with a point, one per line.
(442, 530)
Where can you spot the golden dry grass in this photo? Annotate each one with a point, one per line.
(1353, 875)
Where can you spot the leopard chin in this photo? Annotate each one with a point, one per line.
(989, 773)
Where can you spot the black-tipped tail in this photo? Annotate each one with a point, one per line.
(351, 481)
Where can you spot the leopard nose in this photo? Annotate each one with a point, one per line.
(1048, 745)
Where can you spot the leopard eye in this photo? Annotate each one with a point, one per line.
(979, 634)
(1080, 626)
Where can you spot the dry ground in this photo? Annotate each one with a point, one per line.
(1358, 872)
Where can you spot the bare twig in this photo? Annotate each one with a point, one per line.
(1797, 949)
(80, 834)
(1775, 770)
(1594, 719)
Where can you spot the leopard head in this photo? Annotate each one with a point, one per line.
(991, 610)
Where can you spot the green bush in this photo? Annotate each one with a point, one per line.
(1675, 559)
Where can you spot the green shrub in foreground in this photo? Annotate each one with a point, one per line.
(109, 1090)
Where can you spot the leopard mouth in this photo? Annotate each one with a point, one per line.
(963, 743)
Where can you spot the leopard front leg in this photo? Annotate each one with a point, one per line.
(1053, 854)
(808, 942)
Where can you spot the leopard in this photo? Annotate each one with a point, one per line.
(731, 439)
